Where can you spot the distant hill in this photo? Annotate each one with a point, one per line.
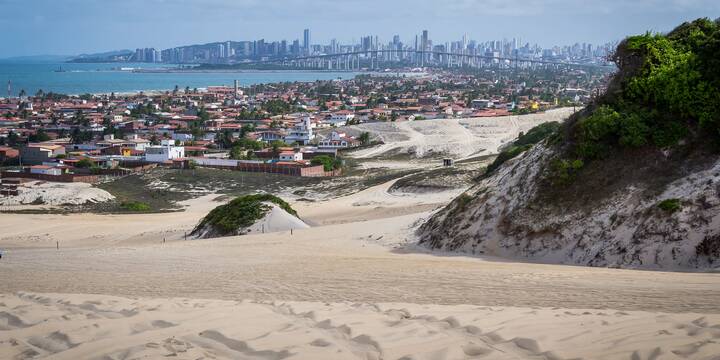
(108, 56)
(633, 180)
(37, 59)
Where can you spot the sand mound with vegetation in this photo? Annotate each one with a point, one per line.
(249, 214)
(633, 180)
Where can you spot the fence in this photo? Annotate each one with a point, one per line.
(270, 168)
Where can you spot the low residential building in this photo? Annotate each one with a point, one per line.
(45, 170)
(337, 140)
(291, 156)
(34, 154)
(167, 151)
(7, 153)
(340, 118)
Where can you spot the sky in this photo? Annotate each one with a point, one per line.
(70, 27)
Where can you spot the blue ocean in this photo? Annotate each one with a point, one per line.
(74, 79)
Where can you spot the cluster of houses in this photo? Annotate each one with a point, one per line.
(53, 134)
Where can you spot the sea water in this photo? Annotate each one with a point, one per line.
(96, 78)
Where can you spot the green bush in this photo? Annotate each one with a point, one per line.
(667, 87)
(564, 171)
(84, 163)
(670, 205)
(241, 213)
(328, 163)
(135, 206)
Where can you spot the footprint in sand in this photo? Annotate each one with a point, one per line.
(475, 350)
(320, 343)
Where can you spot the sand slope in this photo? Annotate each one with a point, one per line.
(105, 327)
(277, 219)
(457, 138)
(55, 193)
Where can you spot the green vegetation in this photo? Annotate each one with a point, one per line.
(135, 206)
(666, 92)
(240, 213)
(564, 171)
(328, 163)
(670, 205)
(523, 143)
(84, 163)
(364, 138)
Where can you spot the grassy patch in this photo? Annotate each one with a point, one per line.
(670, 205)
(135, 206)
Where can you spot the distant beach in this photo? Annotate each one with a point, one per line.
(75, 78)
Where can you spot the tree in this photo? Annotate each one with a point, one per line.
(276, 147)
(39, 136)
(237, 152)
(12, 138)
(364, 138)
(22, 93)
(328, 163)
(84, 163)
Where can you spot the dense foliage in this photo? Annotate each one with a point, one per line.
(670, 205)
(328, 163)
(666, 90)
(241, 213)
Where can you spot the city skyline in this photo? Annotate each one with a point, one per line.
(43, 27)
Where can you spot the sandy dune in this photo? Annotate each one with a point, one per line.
(352, 286)
(106, 327)
(457, 138)
(54, 193)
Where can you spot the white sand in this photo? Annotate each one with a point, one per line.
(348, 287)
(94, 326)
(276, 220)
(55, 193)
(457, 138)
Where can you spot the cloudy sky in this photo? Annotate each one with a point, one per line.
(33, 27)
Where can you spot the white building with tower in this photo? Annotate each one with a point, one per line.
(301, 133)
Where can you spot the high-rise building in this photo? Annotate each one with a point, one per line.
(306, 41)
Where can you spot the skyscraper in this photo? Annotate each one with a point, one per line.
(306, 41)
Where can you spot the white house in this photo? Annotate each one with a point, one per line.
(337, 140)
(301, 133)
(482, 104)
(165, 152)
(45, 170)
(291, 156)
(182, 137)
(341, 118)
